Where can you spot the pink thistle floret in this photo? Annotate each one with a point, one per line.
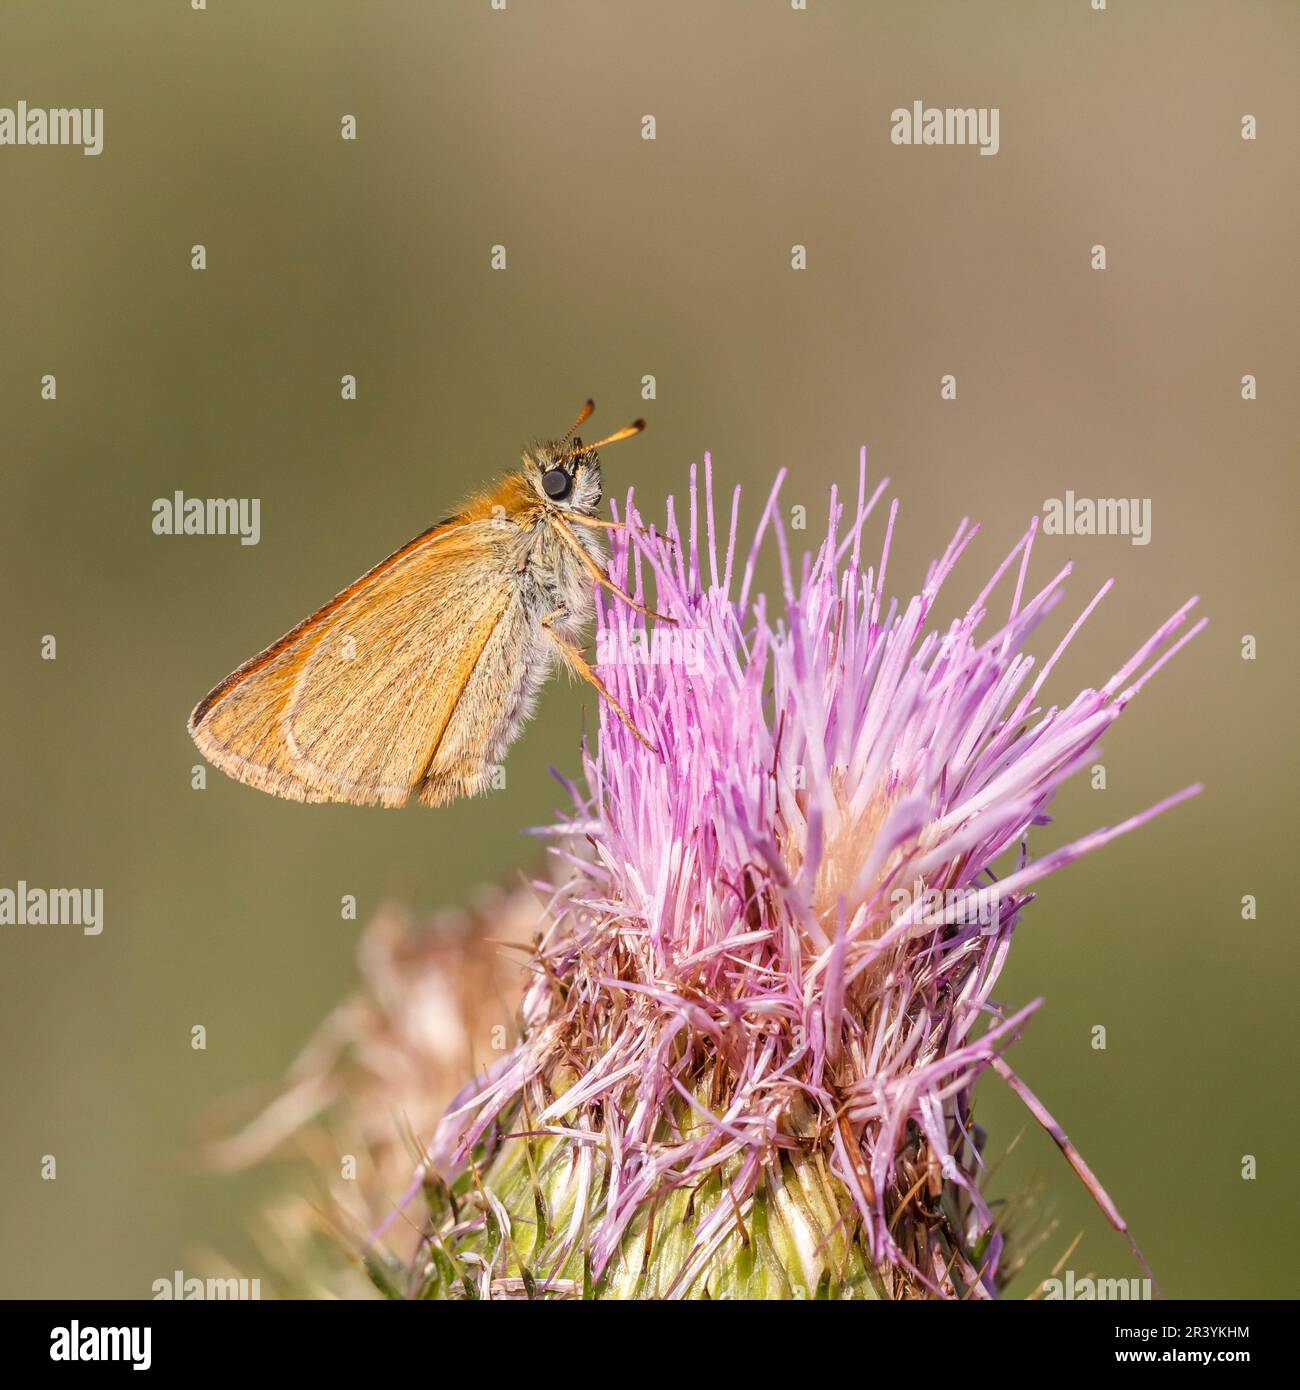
(781, 926)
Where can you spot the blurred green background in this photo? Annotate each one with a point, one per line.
(626, 258)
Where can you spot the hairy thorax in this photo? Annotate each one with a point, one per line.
(555, 585)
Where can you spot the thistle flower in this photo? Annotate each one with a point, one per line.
(763, 989)
(378, 1071)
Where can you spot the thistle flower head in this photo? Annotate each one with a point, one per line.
(378, 1071)
(763, 987)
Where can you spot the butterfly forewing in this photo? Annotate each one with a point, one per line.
(382, 690)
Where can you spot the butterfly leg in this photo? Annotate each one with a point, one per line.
(577, 519)
(599, 574)
(572, 653)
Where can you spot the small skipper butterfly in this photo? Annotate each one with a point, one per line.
(417, 677)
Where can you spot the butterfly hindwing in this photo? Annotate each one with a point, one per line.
(364, 701)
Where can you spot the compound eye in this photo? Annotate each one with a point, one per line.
(556, 483)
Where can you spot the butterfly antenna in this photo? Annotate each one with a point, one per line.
(625, 433)
(583, 416)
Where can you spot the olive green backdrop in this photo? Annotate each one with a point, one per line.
(628, 257)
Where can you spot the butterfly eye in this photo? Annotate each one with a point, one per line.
(556, 483)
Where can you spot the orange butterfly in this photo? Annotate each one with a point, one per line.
(418, 676)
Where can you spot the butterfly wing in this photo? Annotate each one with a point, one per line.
(392, 683)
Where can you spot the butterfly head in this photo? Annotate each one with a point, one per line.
(565, 472)
(565, 475)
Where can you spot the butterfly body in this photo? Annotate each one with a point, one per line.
(551, 597)
(417, 677)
